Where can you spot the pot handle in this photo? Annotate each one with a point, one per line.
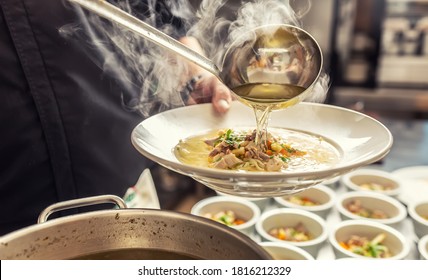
(79, 202)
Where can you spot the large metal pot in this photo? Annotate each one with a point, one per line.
(136, 233)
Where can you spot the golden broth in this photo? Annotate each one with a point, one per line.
(320, 154)
(136, 254)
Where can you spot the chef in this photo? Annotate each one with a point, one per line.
(64, 127)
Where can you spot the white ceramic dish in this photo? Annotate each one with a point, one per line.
(288, 217)
(342, 231)
(325, 196)
(423, 248)
(354, 179)
(417, 211)
(283, 251)
(415, 183)
(359, 139)
(243, 209)
(372, 201)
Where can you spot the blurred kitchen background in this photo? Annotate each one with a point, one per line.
(376, 53)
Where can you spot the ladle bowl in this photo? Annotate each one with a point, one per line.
(272, 64)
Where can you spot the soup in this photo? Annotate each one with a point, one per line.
(136, 254)
(284, 150)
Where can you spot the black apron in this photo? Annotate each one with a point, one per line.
(64, 133)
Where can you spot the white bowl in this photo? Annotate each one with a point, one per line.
(418, 210)
(282, 217)
(283, 251)
(319, 193)
(243, 209)
(354, 179)
(261, 202)
(358, 138)
(414, 182)
(332, 183)
(394, 240)
(423, 247)
(371, 201)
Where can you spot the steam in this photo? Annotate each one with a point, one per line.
(249, 16)
(150, 76)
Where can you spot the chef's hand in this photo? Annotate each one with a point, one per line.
(209, 89)
(205, 87)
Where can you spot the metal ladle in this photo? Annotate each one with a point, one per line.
(281, 55)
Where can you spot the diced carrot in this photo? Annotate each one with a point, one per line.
(239, 222)
(344, 245)
(282, 235)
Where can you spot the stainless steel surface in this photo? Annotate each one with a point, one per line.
(108, 230)
(270, 54)
(273, 54)
(80, 202)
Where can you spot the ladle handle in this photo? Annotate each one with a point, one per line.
(114, 14)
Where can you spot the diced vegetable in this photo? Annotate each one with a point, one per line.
(227, 217)
(372, 186)
(298, 233)
(303, 201)
(355, 206)
(368, 248)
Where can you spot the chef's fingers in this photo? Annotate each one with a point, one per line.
(210, 89)
(222, 97)
(203, 89)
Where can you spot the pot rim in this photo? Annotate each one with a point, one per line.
(129, 212)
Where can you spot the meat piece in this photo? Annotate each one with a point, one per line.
(357, 241)
(263, 156)
(274, 164)
(227, 161)
(215, 152)
(220, 164)
(251, 153)
(231, 160)
(211, 142)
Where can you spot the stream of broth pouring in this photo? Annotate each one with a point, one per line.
(265, 98)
